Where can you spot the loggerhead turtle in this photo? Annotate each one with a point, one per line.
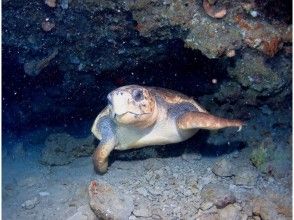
(138, 116)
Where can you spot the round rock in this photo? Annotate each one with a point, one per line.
(219, 195)
(108, 203)
(245, 177)
(223, 168)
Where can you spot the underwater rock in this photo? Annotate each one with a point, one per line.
(142, 191)
(208, 216)
(116, 24)
(109, 203)
(51, 3)
(115, 37)
(218, 194)
(64, 4)
(34, 67)
(223, 168)
(271, 159)
(235, 154)
(278, 168)
(61, 149)
(222, 37)
(30, 204)
(265, 37)
(231, 212)
(213, 12)
(282, 202)
(206, 205)
(185, 20)
(264, 208)
(245, 177)
(47, 25)
(104, 28)
(255, 72)
(142, 210)
(189, 156)
(233, 32)
(229, 92)
(83, 213)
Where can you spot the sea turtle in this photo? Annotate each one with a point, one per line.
(138, 116)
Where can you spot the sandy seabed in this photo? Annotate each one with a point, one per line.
(161, 188)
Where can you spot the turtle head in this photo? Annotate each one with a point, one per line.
(133, 105)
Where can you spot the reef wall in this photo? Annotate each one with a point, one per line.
(60, 58)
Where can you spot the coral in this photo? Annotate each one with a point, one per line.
(264, 152)
(270, 159)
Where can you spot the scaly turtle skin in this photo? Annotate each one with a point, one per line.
(138, 116)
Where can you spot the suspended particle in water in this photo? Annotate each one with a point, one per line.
(231, 53)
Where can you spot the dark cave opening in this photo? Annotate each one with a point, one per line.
(56, 98)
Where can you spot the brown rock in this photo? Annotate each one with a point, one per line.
(108, 203)
(208, 216)
(223, 168)
(245, 177)
(51, 3)
(231, 212)
(83, 213)
(283, 203)
(219, 195)
(264, 208)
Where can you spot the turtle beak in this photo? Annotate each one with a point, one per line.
(119, 103)
(109, 98)
(110, 103)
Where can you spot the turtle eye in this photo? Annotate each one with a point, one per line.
(137, 95)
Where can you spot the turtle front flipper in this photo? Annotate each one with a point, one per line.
(100, 156)
(202, 120)
(108, 141)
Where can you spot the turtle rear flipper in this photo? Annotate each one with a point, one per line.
(202, 120)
